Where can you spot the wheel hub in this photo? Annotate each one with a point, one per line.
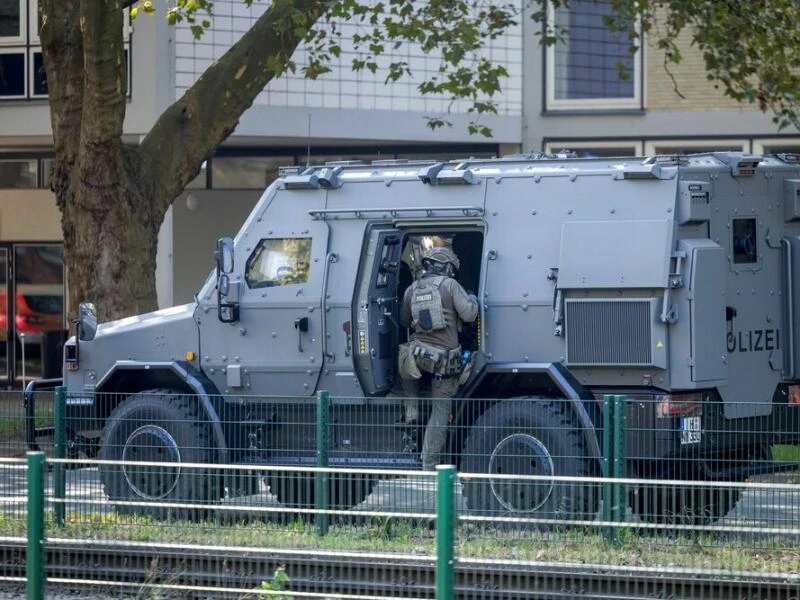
(521, 454)
(151, 443)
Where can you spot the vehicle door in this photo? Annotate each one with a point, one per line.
(274, 348)
(375, 338)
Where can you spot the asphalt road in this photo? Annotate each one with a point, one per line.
(759, 508)
(84, 493)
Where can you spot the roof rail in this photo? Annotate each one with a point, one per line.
(542, 155)
(667, 160)
(791, 158)
(344, 163)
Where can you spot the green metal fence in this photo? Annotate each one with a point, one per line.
(302, 485)
(79, 553)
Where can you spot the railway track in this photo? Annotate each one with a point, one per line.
(235, 571)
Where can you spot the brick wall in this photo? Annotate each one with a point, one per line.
(690, 79)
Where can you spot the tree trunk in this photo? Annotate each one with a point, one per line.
(111, 253)
(109, 229)
(113, 199)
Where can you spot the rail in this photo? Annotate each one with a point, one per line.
(234, 550)
(193, 569)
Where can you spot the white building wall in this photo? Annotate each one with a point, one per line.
(345, 104)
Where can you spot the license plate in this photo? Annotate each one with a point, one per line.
(690, 430)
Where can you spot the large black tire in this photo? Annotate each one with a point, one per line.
(529, 437)
(298, 490)
(158, 426)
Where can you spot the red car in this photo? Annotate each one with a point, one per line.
(38, 308)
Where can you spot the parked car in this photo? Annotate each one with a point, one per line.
(38, 308)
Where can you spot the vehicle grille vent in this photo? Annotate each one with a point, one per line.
(609, 332)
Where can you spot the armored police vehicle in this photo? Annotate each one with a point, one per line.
(671, 280)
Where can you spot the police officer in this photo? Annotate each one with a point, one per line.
(434, 306)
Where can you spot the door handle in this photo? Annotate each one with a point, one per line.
(348, 337)
(301, 324)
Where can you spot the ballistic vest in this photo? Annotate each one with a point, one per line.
(426, 305)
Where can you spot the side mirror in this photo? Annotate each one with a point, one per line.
(87, 321)
(227, 293)
(223, 255)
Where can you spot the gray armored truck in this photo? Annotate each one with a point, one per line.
(672, 280)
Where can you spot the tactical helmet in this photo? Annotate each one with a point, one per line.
(442, 256)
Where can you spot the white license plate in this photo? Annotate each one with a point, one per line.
(690, 430)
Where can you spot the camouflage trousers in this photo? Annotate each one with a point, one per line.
(440, 395)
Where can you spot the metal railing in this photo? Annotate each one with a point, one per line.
(302, 500)
(95, 544)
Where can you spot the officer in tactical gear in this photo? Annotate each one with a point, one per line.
(434, 306)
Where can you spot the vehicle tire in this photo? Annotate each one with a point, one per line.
(158, 426)
(298, 490)
(529, 437)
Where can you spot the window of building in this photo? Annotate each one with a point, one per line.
(595, 149)
(364, 157)
(201, 180)
(776, 146)
(46, 169)
(246, 172)
(280, 261)
(591, 67)
(12, 73)
(19, 173)
(445, 156)
(12, 21)
(22, 73)
(678, 147)
(38, 75)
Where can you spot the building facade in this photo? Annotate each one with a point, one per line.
(294, 121)
(574, 97)
(566, 96)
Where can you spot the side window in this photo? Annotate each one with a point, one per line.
(744, 241)
(278, 261)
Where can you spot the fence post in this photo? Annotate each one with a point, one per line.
(322, 478)
(445, 525)
(59, 451)
(608, 457)
(620, 435)
(34, 560)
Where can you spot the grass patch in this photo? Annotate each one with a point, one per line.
(12, 428)
(636, 548)
(786, 453)
(12, 421)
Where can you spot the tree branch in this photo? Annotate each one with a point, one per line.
(188, 132)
